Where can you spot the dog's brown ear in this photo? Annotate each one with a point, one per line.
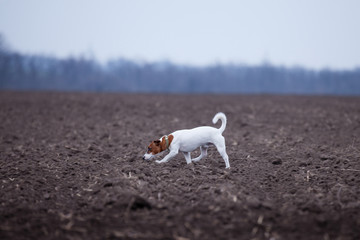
(157, 142)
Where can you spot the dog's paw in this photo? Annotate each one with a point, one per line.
(158, 161)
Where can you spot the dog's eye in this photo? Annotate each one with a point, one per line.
(149, 149)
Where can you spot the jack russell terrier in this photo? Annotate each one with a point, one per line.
(188, 140)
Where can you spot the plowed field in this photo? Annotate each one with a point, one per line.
(71, 168)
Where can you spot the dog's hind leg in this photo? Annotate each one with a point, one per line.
(187, 157)
(203, 153)
(220, 146)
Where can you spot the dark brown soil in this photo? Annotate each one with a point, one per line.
(71, 168)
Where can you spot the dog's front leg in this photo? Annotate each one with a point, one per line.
(168, 157)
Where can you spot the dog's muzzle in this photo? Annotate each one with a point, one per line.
(147, 156)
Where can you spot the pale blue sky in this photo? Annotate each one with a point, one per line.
(310, 33)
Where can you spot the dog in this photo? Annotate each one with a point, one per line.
(188, 140)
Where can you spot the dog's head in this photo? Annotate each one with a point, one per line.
(157, 146)
(153, 149)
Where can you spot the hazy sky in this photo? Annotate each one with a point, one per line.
(311, 33)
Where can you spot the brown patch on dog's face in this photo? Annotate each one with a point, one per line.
(154, 147)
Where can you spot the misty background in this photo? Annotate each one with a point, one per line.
(280, 47)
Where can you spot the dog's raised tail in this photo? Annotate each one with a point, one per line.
(222, 117)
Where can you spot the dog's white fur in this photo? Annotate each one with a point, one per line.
(188, 140)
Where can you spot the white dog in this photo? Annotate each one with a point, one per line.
(188, 140)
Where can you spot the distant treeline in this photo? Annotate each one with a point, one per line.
(34, 72)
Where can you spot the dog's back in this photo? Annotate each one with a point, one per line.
(190, 139)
